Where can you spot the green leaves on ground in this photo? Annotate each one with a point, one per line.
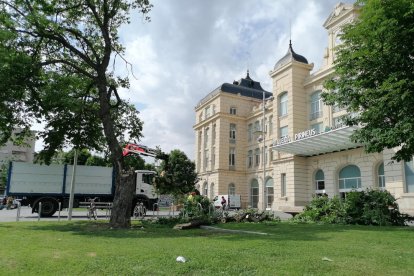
(370, 207)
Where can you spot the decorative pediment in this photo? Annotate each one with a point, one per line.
(339, 11)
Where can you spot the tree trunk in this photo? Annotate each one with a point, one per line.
(122, 206)
(124, 184)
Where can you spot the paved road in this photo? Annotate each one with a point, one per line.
(27, 215)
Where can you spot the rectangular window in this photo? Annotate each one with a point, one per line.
(283, 105)
(338, 122)
(257, 126)
(213, 135)
(206, 112)
(284, 131)
(270, 125)
(320, 184)
(250, 159)
(199, 161)
(318, 127)
(249, 132)
(232, 157)
(206, 160)
(350, 183)
(381, 181)
(283, 184)
(316, 106)
(232, 133)
(257, 157)
(206, 137)
(213, 158)
(233, 110)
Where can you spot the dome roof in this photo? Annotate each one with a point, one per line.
(289, 57)
(246, 87)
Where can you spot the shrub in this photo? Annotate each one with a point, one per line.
(322, 209)
(196, 207)
(370, 207)
(373, 207)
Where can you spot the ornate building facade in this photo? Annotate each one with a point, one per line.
(279, 149)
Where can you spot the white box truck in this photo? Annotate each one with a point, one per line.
(34, 183)
(232, 201)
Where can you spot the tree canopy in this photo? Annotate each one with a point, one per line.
(374, 76)
(177, 174)
(57, 68)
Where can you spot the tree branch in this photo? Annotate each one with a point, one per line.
(74, 66)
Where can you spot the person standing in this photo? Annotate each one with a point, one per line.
(223, 202)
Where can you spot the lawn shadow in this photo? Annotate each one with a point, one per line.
(283, 231)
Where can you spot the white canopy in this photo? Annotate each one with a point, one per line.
(326, 142)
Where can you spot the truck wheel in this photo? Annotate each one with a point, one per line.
(49, 206)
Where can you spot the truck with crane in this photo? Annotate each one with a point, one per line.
(50, 185)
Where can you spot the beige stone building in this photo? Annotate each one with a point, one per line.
(278, 150)
(10, 152)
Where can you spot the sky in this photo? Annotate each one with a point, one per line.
(190, 47)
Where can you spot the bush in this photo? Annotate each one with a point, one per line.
(373, 207)
(323, 209)
(370, 207)
(196, 207)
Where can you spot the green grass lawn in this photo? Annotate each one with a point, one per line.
(90, 248)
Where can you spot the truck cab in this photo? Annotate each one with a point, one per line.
(144, 188)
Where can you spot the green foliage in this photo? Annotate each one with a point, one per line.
(196, 207)
(373, 207)
(178, 175)
(323, 209)
(55, 60)
(95, 160)
(370, 207)
(3, 175)
(374, 76)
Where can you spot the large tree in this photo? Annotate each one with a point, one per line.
(57, 68)
(374, 76)
(177, 174)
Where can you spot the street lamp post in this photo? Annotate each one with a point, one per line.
(264, 152)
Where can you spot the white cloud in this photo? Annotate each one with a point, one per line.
(191, 47)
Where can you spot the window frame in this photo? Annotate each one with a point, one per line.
(316, 105)
(232, 157)
(283, 184)
(283, 104)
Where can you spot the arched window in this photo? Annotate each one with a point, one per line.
(283, 104)
(349, 178)
(409, 175)
(269, 193)
(232, 189)
(320, 182)
(381, 176)
(205, 189)
(212, 190)
(254, 193)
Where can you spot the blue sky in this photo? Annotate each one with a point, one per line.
(190, 47)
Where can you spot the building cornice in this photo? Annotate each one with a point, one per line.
(288, 66)
(319, 75)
